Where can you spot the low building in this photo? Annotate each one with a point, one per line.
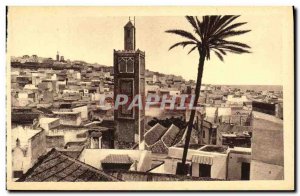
(49, 123)
(112, 158)
(63, 134)
(211, 161)
(26, 97)
(23, 80)
(236, 99)
(208, 132)
(83, 109)
(69, 118)
(234, 135)
(28, 144)
(239, 163)
(208, 161)
(100, 137)
(267, 148)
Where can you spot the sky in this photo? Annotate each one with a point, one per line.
(91, 34)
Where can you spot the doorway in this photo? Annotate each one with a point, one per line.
(245, 171)
(204, 170)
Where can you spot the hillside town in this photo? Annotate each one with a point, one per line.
(62, 131)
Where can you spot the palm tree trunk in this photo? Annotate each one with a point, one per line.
(182, 170)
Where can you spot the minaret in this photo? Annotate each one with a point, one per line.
(57, 56)
(129, 79)
(129, 36)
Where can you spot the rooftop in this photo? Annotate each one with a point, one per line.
(47, 120)
(212, 148)
(154, 134)
(24, 117)
(67, 112)
(147, 176)
(159, 138)
(118, 159)
(57, 167)
(240, 150)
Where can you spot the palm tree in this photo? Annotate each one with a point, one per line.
(209, 35)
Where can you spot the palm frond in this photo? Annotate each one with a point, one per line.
(205, 21)
(221, 51)
(183, 33)
(211, 24)
(234, 49)
(229, 28)
(183, 44)
(233, 33)
(224, 21)
(219, 55)
(193, 22)
(207, 52)
(192, 49)
(214, 23)
(233, 43)
(200, 28)
(213, 31)
(222, 42)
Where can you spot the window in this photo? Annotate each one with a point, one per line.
(130, 65)
(187, 168)
(204, 170)
(122, 66)
(126, 64)
(17, 173)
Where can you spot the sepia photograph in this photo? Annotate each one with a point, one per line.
(150, 98)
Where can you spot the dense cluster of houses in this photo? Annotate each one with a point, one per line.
(61, 132)
(58, 112)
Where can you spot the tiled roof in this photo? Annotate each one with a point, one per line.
(159, 147)
(117, 158)
(180, 136)
(170, 136)
(154, 134)
(56, 166)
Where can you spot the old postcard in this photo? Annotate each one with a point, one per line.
(150, 98)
